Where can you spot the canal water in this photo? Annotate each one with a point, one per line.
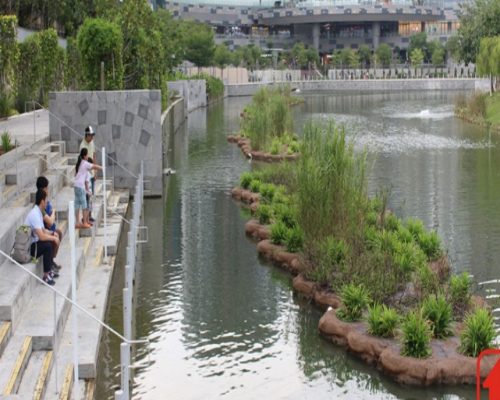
(222, 323)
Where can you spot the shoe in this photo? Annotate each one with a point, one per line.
(48, 280)
(55, 266)
(91, 219)
(54, 274)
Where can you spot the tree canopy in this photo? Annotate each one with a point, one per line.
(478, 19)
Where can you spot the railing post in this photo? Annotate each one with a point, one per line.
(34, 123)
(127, 312)
(125, 370)
(72, 243)
(55, 340)
(105, 205)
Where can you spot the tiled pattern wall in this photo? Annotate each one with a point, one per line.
(127, 124)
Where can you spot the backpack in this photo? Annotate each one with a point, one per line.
(22, 244)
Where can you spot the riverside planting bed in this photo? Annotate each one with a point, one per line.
(245, 145)
(446, 365)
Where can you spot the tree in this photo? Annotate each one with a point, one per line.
(52, 63)
(383, 54)
(488, 59)
(417, 57)
(139, 43)
(437, 52)
(199, 45)
(365, 55)
(9, 52)
(419, 41)
(171, 38)
(478, 19)
(453, 48)
(101, 41)
(28, 71)
(222, 56)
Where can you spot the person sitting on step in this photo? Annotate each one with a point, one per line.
(42, 239)
(82, 167)
(42, 183)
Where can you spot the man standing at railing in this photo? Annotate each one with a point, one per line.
(88, 143)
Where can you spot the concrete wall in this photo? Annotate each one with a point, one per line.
(171, 120)
(386, 85)
(193, 91)
(127, 124)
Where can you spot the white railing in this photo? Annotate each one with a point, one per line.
(133, 242)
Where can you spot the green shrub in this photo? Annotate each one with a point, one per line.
(478, 333)
(6, 142)
(459, 291)
(275, 147)
(255, 185)
(404, 235)
(285, 214)
(416, 336)
(391, 222)
(426, 280)
(371, 218)
(294, 239)
(354, 301)
(245, 179)
(382, 321)
(408, 257)
(430, 243)
(279, 233)
(264, 213)
(333, 252)
(415, 226)
(294, 147)
(267, 191)
(438, 311)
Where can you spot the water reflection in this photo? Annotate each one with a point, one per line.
(224, 324)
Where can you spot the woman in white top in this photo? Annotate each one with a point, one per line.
(82, 168)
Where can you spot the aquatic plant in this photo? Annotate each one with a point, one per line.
(355, 299)
(285, 214)
(459, 291)
(416, 336)
(255, 185)
(382, 320)
(438, 311)
(279, 232)
(264, 212)
(245, 179)
(430, 243)
(478, 333)
(267, 191)
(294, 239)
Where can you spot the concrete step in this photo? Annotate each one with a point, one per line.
(5, 334)
(36, 375)
(16, 286)
(14, 362)
(38, 319)
(12, 218)
(25, 172)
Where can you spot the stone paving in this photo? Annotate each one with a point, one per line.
(20, 127)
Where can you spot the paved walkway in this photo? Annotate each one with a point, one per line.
(20, 126)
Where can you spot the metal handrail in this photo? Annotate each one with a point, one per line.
(104, 325)
(82, 136)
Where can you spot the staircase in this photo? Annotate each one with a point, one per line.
(35, 339)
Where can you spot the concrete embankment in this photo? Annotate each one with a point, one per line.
(354, 86)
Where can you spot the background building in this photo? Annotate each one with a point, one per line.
(326, 25)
